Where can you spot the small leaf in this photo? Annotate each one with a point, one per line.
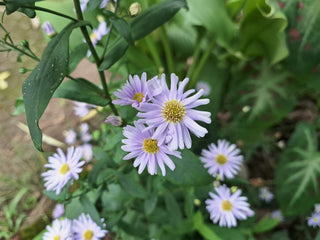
(203, 229)
(40, 85)
(123, 28)
(81, 90)
(130, 186)
(90, 208)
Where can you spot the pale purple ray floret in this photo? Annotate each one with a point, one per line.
(147, 150)
(172, 114)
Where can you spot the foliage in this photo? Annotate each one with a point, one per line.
(260, 59)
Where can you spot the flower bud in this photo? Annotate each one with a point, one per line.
(48, 29)
(114, 120)
(22, 70)
(135, 9)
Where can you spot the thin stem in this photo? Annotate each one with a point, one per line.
(167, 49)
(202, 62)
(20, 50)
(95, 56)
(45, 10)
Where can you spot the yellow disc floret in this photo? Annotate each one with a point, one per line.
(138, 97)
(88, 235)
(173, 111)
(57, 237)
(226, 205)
(64, 169)
(150, 145)
(221, 159)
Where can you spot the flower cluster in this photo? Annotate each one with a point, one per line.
(167, 116)
(63, 168)
(83, 228)
(314, 220)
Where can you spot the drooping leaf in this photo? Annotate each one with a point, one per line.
(81, 90)
(40, 85)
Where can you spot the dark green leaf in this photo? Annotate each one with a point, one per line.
(189, 171)
(130, 186)
(123, 28)
(21, 6)
(81, 90)
(40, 85)
(154, 17)
(265, 224)
(90, 208)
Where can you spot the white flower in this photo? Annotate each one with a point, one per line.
(70, 136)
(226, 207)
(84, 228)
(265, 194)
(223, 159)
(62, 169)
(60, 230)
(87, 152)
(314, 220)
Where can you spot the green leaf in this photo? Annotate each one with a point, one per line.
(214, 16)
(19, 107)
(154, 17)
(21, 6)
(40, 85)
(123, 28)
(261, 32)
(81, 90)
(150, 203)
(130, 186)
(298, 172)
(265, 224)
(90, 208)
(173, 210)
(189, 171)
(203, 229)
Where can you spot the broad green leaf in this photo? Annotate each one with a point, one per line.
(173, 210)
(81, 90)
(123, 28)
(203, 229)
(265, 224)
(40, 85)
(131, 186)
(90, 208)
(261, 32)
(298, 172)
(234, 7)
(189, 171)
(214, 16)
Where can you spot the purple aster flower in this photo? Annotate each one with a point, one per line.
(226, 207)
(48, 29)
(81, 109)
(222, 159)
(314, 220)
(317, 208)
(103, 3)
(62, 169)
(147, 150)
(70, 136)
(265, 194)
(87, 152)
(134, 92)
(83, 5)
(114, 120)
(205, 86)
(97, 34)
(172, 113)
(276, 214)
(60, 230)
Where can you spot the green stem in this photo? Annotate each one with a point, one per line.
(154, 52)
(20, 50)
(195, 58)
(95, 56)
(45, 10)
(201, 64)
(167, 49)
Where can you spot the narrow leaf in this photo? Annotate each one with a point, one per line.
(40, 85)
(265, 224)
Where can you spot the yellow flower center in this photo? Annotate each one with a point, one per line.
(150, 145)
(226, 205)
(316, 219)
(93, 37)
(88, 235)
(221, 159)
(138, 97)
(64, 169)
(173, 111)
(56, 237)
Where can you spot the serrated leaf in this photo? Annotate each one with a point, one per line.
(40, 85)
(81, 90)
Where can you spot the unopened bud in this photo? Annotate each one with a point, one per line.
(114, 120)
(24, 43)
(234, 189)
(135, 9)
(197, 202)
(48, 29)
(22, 70)
(216, 184)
